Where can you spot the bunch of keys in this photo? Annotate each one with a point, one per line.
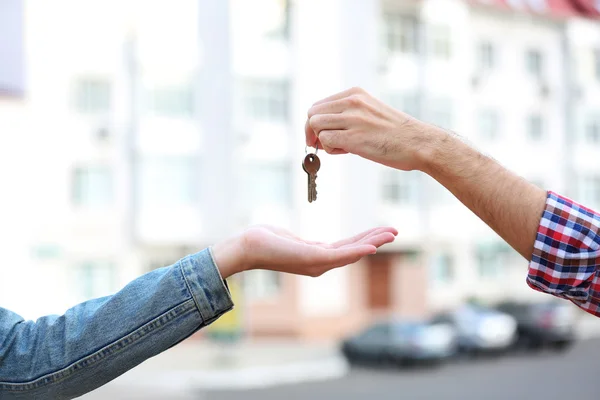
(311, 165)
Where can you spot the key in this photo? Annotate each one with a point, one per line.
(311, 166)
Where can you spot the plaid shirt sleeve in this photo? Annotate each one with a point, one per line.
(566, 254)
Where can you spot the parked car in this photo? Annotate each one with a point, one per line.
(480, 329)
(402, 343)
(546, 324)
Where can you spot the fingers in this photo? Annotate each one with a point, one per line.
(348, 255)
(311, 136)
(379, 239)
(326, 115)
(341, 95)
(332, 141)
(353, 249)
(321, 122)
(366, 234)
(337, 151)
(331, 107)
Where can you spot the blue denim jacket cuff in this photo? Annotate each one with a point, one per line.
(206, 285)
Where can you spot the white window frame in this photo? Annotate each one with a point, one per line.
(262, 284)
(493, 120)
(86, 98)
(405, 184)
(487, 55)
(266, 100)
(401, 33)
(441, 42)
(530, 54)
(82, 177)
(536, 117)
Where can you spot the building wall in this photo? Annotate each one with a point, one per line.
(183, 173)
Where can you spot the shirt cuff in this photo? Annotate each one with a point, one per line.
(206, 285)
(566, 252)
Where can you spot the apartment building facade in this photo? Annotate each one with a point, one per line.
(144, 163)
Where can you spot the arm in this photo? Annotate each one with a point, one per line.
(66, 356)
(557, 236)
(510, 205)
(560, 238)
(62, 357)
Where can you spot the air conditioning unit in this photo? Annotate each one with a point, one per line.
(475, 81)
(577, 92)
(544, 90)
(102, 133)
(243, 137)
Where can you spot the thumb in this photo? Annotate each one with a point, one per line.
(332, 141)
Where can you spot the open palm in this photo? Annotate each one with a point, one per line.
(279, 250)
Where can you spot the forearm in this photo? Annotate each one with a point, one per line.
(510, 205)
(96, 341)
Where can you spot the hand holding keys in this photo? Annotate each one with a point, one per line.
(311, 165)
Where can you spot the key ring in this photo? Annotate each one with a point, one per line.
(316, 149)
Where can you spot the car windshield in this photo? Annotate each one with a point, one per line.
(408, 329)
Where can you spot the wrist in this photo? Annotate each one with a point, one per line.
(230, 256)
(436, 149)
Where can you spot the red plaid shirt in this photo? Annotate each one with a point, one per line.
(566, 254)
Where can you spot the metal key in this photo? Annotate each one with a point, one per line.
(311, 166)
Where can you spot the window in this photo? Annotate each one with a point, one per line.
(46, 251)
(266, 100)
(492, 259)
(440, 113)
(284, 13)
(399, 187)
(92, 96)
(589, 190)
(488, 124)
(266, 185)
(486, 56)
(95, 279)
(92, 186)
(378, 331)
(597, 64)
(445, 319)
(260, 284)
(535, 62)
(173, 101)
(535, 127)
(405, 102)
(592, 131)
(441, 41)
(442, 267)
(401, 33)
(168, 181)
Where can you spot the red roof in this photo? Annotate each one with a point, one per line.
(589, 8)
(549, 8)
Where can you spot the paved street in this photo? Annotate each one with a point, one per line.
(547, 376)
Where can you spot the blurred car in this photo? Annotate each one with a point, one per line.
(480, 329)
(547, 324)
(401, 343)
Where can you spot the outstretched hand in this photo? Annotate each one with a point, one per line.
(271, 248)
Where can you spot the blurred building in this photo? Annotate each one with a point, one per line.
(159, 128)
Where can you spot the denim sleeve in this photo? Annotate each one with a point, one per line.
(62, 357)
